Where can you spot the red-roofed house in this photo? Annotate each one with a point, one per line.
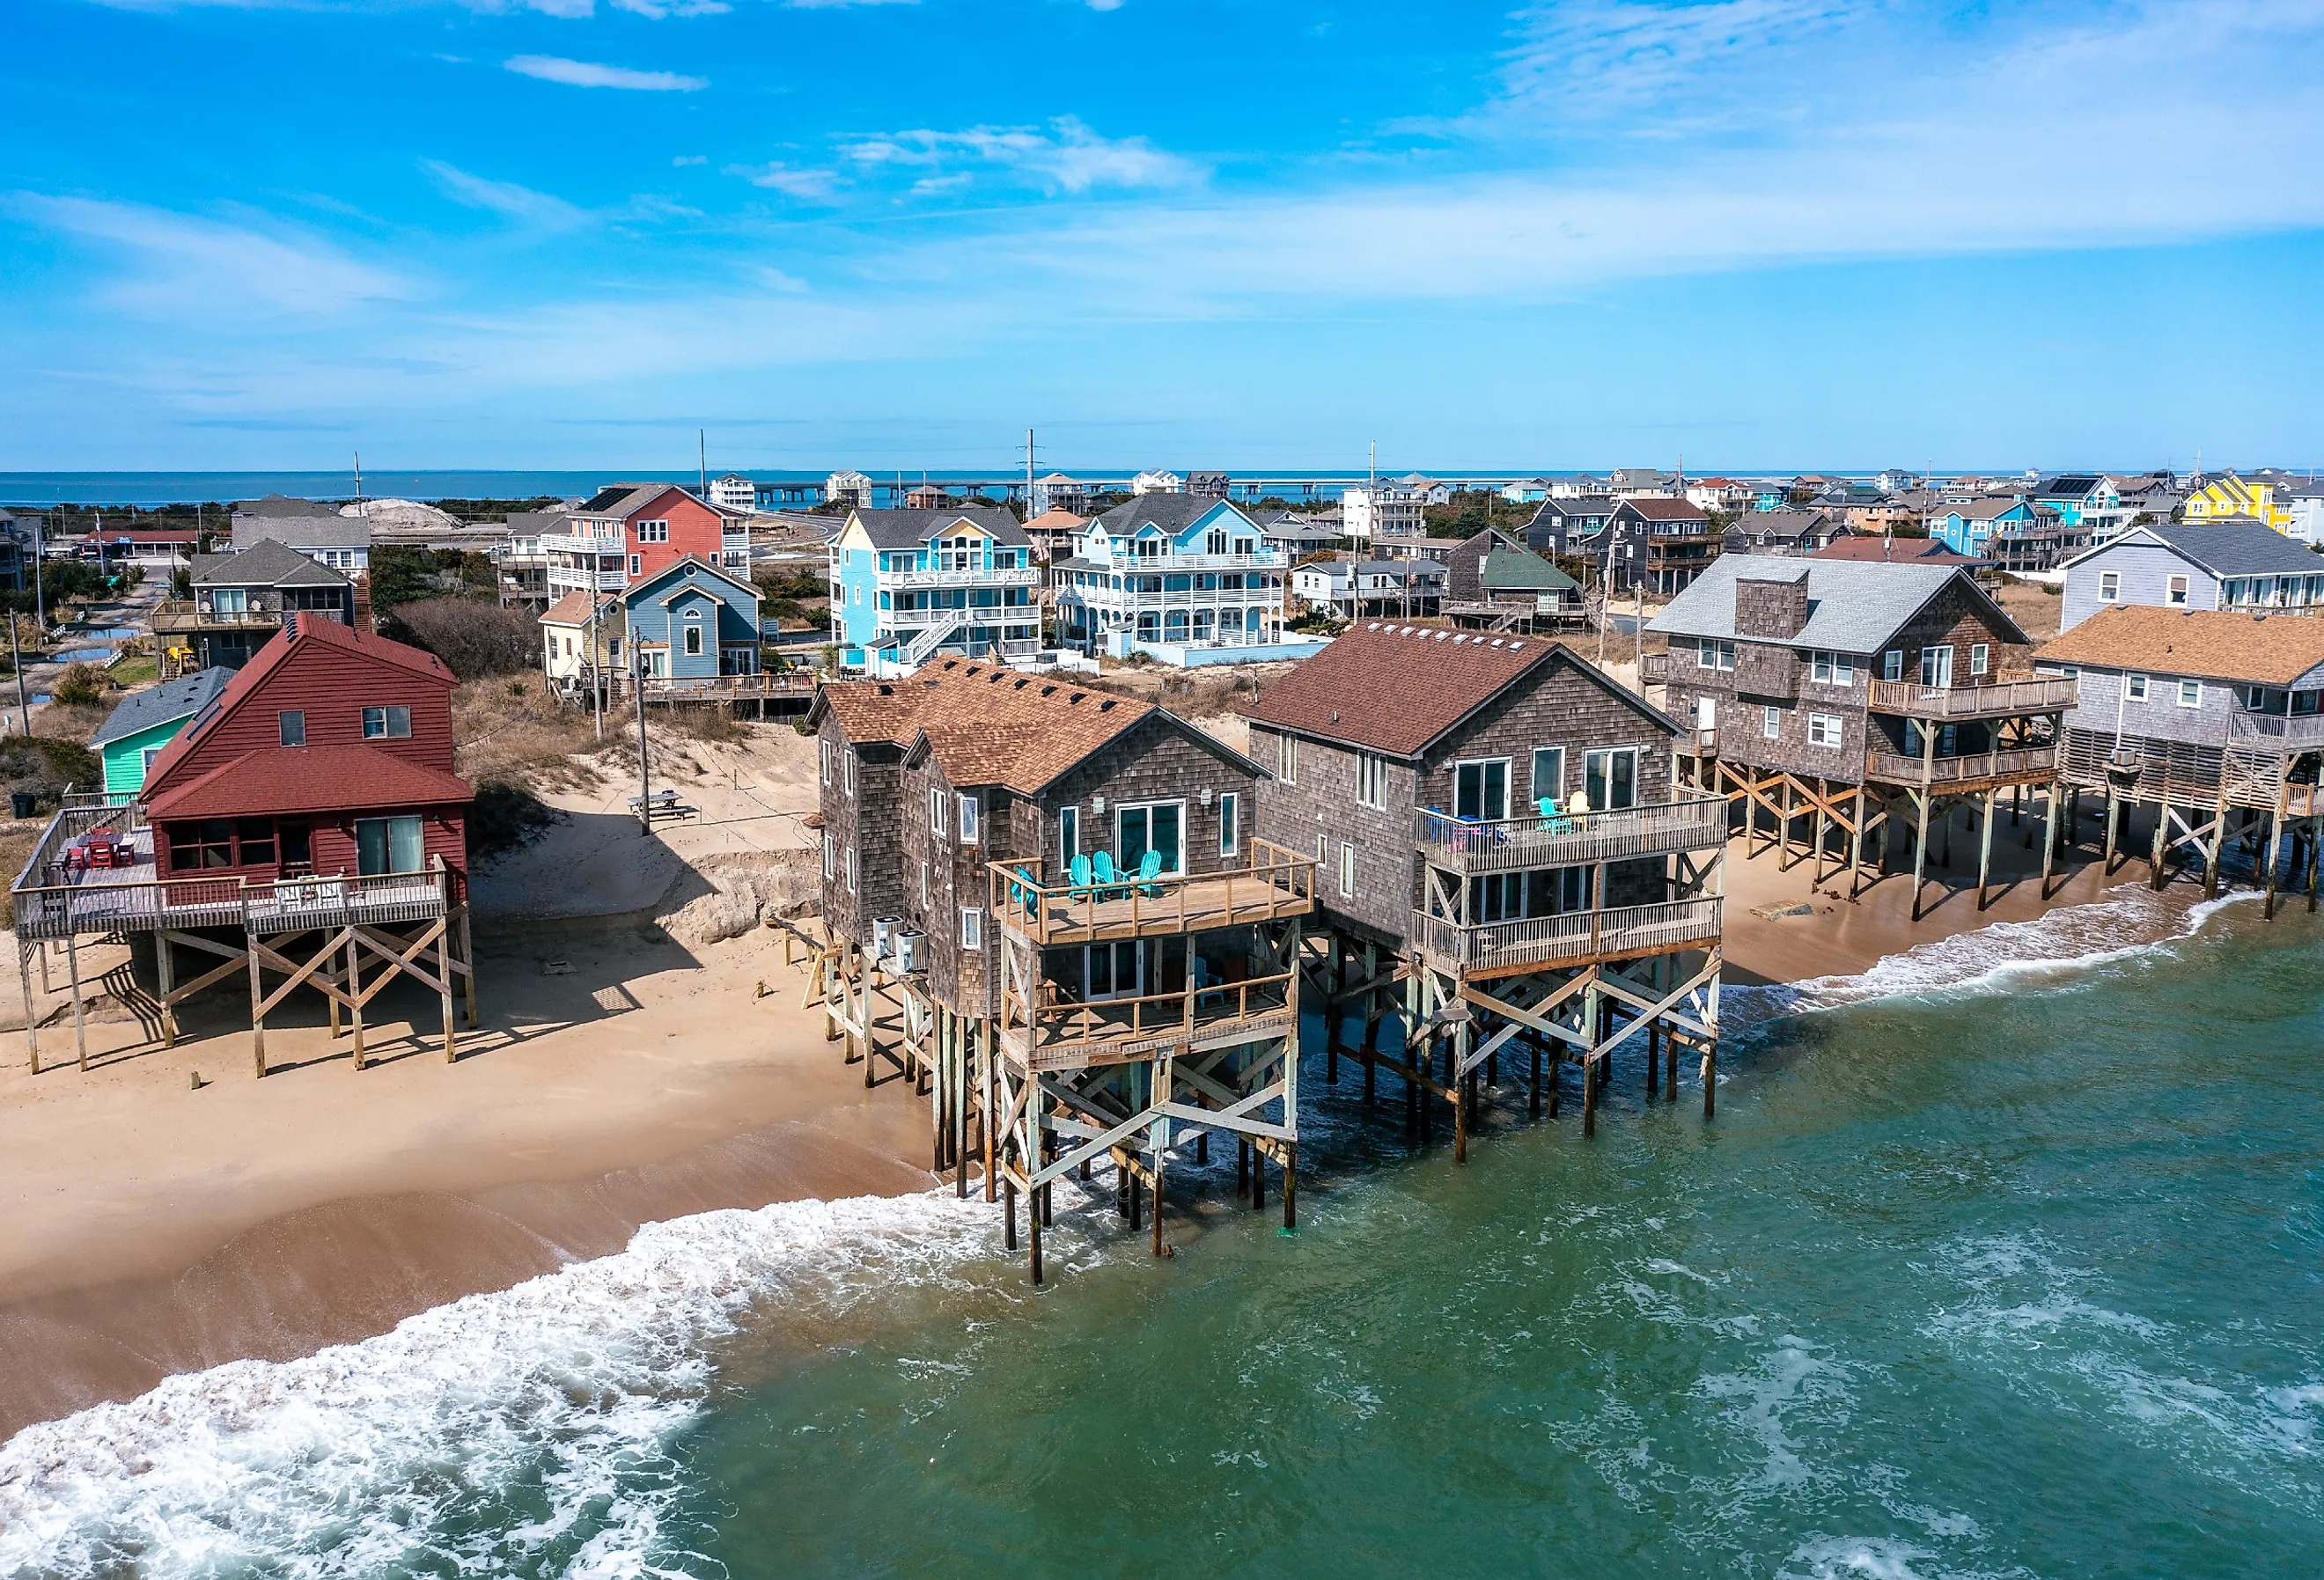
(329, 754)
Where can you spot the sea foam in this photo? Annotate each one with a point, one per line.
(524, 1431)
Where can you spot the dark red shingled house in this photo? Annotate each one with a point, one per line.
(330, 752)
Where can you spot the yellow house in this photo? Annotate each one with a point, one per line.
(2255, 497)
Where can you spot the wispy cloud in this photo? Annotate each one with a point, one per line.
(588, 74)
(779, 177)
(541, 210)
(175, 264)
(1599, 55)
(1065, 156)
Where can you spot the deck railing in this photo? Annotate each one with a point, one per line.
(786, 683)
(2019, 762)
(50, 903)
(1057, 1032)
(1654, 669)
(1032, 899)
(183, 614)
(1999, 698)
(2299, 733)
(1571, 839)
(1619, 933)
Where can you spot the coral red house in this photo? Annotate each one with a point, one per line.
(330, 752)
(629, 531)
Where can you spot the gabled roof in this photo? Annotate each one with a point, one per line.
(1057, 520)
(1853, 606)
(266, 563)
(2237, 546)
(909, 529)
(1398, 689)
(1665, 510)
(618, 499)
(1168, 512)
(325, 530)
(1887, 549)
(690, 563)
(2204, 644)
(300, 632)
(282, 507)
(170, 701)
(573, 608)
(1583, 504)
(1781, 523)
(308, 779)
(1987, 507)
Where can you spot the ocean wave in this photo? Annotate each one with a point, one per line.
(2005, 957)
(524, 1431)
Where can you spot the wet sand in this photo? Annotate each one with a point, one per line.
(148, 1227)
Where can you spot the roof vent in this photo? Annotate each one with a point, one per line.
(1048, 690)
(1335, 715)
(1440, 635)
(1517, 647)
(1077, 696)
(886, 690)
(1106, 706)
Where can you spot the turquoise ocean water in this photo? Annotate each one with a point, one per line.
(2003, 1258)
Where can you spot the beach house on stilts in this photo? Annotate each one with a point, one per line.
(2214, 719)
(1498, 842)
(305, 825)
(1832, 700)
(1048, 910)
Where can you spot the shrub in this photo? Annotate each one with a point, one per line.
(82, 686)
(474, 637)
(504, 816)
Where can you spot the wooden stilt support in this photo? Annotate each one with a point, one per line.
(165, 978)
(1157, 1201)
(1985, 851)
(1920, 848)
(1009, 1215)
(355, 996)
(1710, 1079)
(1033, 1237)
(80, 1031)
(468, 961)
(2049, 837)
(257, 1006)
(31, 1008)
(1291, 1188)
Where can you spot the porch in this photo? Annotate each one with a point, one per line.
(1033, 902)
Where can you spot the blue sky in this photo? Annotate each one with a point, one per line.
(1751, 233)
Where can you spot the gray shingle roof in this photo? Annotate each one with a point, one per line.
(282, 507)
(1854, 606)
(327, 530)
(909, 529)
(267, 563)
(2238, 547)
(1172, 512)
(172, 700)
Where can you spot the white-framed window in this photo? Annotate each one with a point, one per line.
(1371, 779)
(1937, 667)
(1069, 836)
(850, 869)
(2134, 688)
(935, 812)
(1610, 778)
(971, 928)
(2174, 592)
(383, 723)
(1710, 654)
(1480, 790)
(694, 639)
(1830, 669)
(2190, 694)
(1347, 871)
(1771, 723)
(2110, 586)
(1548, 773)
(847, 771)
(968, 810)
(1892, 664)
(1230, 824)
(1287, 758)
(653, 532)
(826, 762)
(1981, 658)
(924, 882)
(830, 856)
(1823, 729)
(145, 760)
(637, 566)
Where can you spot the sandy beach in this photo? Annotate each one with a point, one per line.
(628, 1070)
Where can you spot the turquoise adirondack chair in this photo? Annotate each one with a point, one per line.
(1150, 867)
(1078, 873)
(1104, 874)
(1553, 821)
(1021, 890)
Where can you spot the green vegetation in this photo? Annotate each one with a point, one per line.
(403, 574)
(82, 686)
(474, 637)
(1471, 511)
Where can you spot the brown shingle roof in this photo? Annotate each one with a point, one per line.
(1395, 689)
(573, 608)
(985, 724)
(2206, 644)
(1665, 509)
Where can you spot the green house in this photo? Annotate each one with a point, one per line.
(147, 721)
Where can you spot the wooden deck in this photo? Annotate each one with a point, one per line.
(1575, 938)
(1062, 1034)
(2005, 698)
(1515, 845)
(1959, 775)
(1030, 905)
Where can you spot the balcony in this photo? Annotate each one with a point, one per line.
(2276, 732)
(563, 579)
(1054, 1032)
(2018, 765)
(1517, 845)
(1173, 563)
(1033, 902)
(1028, 576)
(582, 543)
(2001, 698)
(179, 615)
(1574, 939)
(1654, 669)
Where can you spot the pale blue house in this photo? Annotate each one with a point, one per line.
(908, 585)
(692, 621)
(1970, 527)
(1175, 576)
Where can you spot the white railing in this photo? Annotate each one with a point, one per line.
(1571, 839)
(583, 581)
(1013, 577)
(581, 543)
(2274, 729)
(1167, 564)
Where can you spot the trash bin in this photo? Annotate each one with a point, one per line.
(21, 803)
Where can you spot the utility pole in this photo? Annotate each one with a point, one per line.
(645, 780)
(359, 482)
(23, 708)
(702, 450)
(596, 654)
(1028, 474)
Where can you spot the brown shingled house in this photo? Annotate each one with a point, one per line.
(1078, 1009)
(1497, 816)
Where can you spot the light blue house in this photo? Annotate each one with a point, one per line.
(908, 585)
(694, 622)
(1970, 527)
(1178, 577)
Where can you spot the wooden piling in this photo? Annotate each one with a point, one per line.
(80, 1031)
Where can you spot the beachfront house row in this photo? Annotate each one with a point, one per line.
(1165, 573)
(2238, 565)
(1835, 686)
(320, 532)
(906, 585)
(1070, 877)
(329, 752)
(2216, 718)
(144, 722)
(240, 600)
(692, 621)
(630, 530)
(1496, 813)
